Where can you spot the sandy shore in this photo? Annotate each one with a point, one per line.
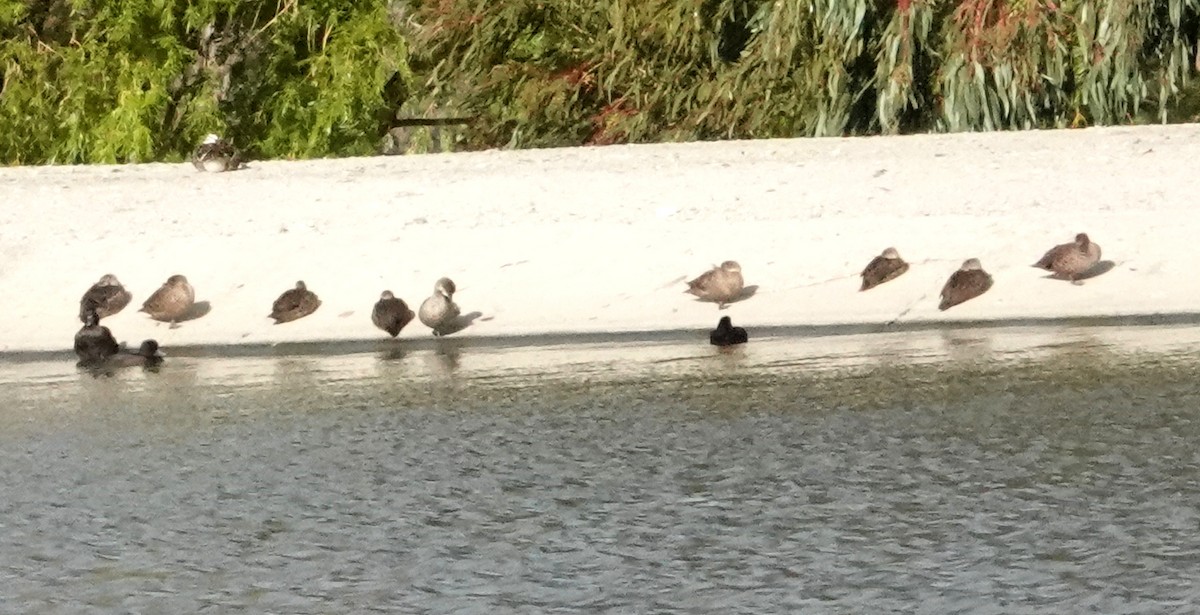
(602, 239)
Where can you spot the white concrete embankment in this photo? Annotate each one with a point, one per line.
(602, 239)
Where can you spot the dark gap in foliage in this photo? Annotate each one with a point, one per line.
(735, 31)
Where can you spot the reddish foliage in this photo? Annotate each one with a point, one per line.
(580, 76)
(604, 132)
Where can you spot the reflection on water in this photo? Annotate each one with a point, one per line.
(1044, 469)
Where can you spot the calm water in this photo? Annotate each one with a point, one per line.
(1047, 470)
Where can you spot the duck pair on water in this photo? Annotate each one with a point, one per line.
(97, 348)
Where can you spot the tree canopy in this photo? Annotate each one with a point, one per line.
(84, 81)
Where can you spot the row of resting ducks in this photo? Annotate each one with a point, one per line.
(1069, 261)
(174, 300)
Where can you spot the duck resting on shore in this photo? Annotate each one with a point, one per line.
(968, 282)
(1071, 260)
(216, 155)
(721, 285)
(106, 297)
(391, 314)
(171, 302)
(294, 304)
(883, 268)
(439, 312)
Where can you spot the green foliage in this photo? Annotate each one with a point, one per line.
(565, 72)
(116, 80)
(119, 81)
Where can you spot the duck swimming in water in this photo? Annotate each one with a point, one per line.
(172, 301)
(1071, 260)
(721, 285)
(439, 311)
(883, 268)
(147, 355)
(726, 334)
(94, 343)
(968, 282)
(106, 297)
(216, 155)
(391, 314)
(294, 304)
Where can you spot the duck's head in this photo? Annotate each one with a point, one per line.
(725, 323)
(300, 285)
(731, 266)
(386, 295)
(211, 138)
(971, 264)
(177, 280)
(1082, 240)
(149, 348)
(891, 254)
(444, 287)
(109, 279)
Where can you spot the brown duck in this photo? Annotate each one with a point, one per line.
(106, 297)
(883, 268)
(172, 301)
(968, 282)
(721, 285)
(216, 155)
(294, 304)
(391, 314)
(439, 312)
(1071, 260)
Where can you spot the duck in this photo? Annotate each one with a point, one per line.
(726, 334)
(968, 282)
(94, 343)
(171, 302)
(439, 311)
(294, 304)
(721, 284)
(216, 155)
(147, 355)
(883, 268)
(106, 297)
(391, 314)
(1071, 260)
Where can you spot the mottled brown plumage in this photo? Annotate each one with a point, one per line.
(883, 268)
(216, 155)
(171, 302)
(391, 314)
(968, 282)
(294, 304)
(106, 297)
(721, 285)
(1071, 260)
